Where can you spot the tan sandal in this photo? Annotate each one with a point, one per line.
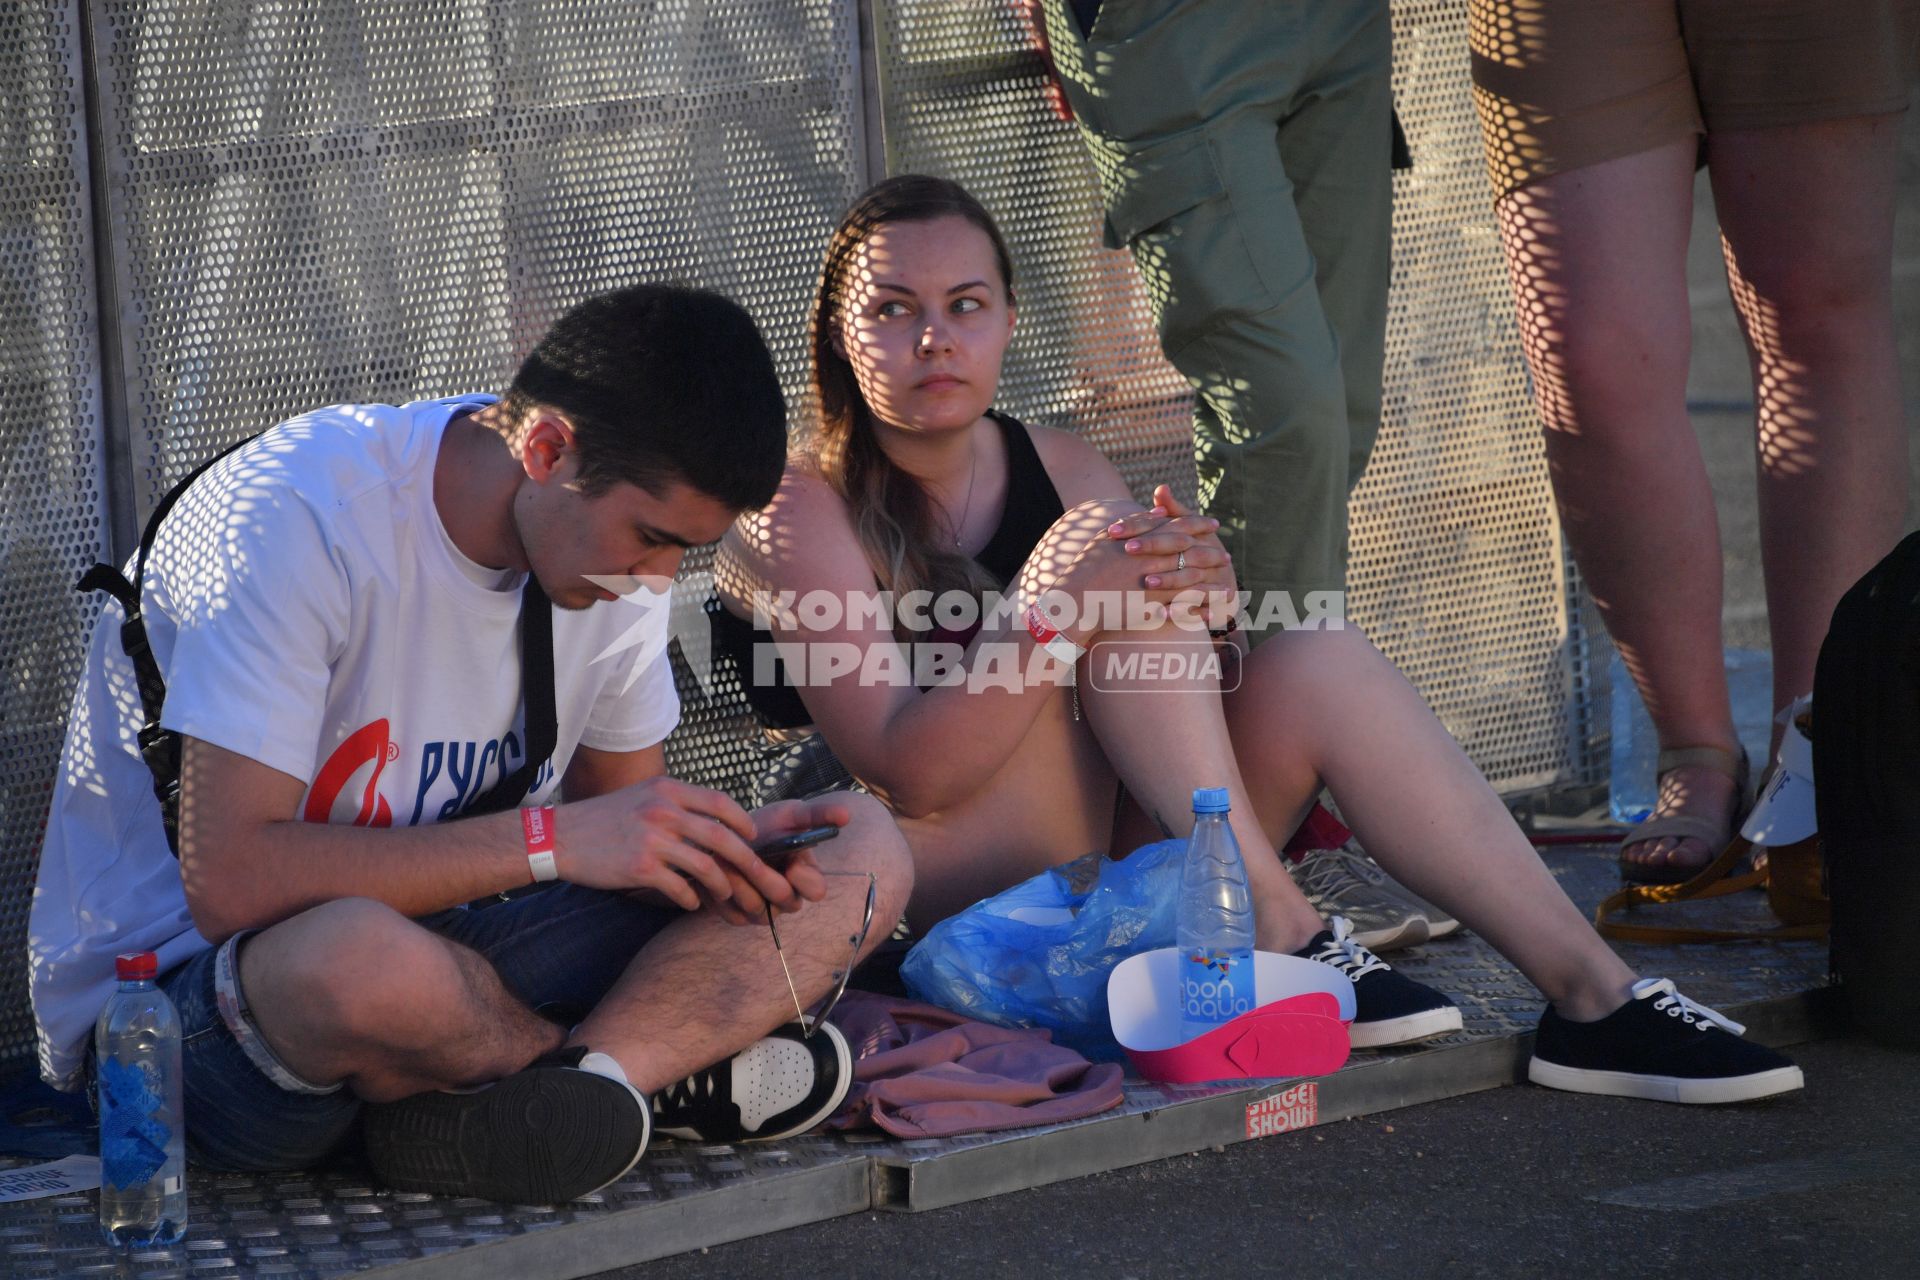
(1713, 833)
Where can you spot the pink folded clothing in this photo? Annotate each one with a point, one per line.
(922, 1072)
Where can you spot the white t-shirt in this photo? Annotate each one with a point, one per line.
(309, 611)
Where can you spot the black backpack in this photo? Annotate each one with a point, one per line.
(1866, 771)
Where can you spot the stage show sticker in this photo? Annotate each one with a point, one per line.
(1284, 1112)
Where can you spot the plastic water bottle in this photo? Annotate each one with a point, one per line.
(1213, 925)
(1636, 747)
(143, 1148)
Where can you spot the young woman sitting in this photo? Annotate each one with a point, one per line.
(1002, 751)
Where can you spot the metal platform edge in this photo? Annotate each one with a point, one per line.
(646, 1233)
(1385, 1084)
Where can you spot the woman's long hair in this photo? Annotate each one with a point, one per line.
(893, 512)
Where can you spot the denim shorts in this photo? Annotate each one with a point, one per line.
(560, 949)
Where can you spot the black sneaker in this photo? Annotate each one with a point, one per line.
(1389, 1008)
(563, 1128)
(774, 1088)
(1658, 1045)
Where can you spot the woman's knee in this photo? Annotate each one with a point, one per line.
(1066, 538)
(1816, 312)
(1292, 666)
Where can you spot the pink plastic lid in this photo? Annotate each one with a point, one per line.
(1299, 1028)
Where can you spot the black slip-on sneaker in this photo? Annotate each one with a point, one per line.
(1388, 1008)
(563, 1128)
(776, 1087)
(1658, 1045)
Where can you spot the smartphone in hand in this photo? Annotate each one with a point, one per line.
(777, 851)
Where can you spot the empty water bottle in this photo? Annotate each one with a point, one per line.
(1213, 925)
(143, 1160)
(1636, 747)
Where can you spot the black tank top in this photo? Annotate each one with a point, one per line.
(1032, 505)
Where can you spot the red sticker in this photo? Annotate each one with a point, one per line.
(1286, 1111)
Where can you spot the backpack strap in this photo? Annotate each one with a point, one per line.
(536, 689)
(536, 685)
(160, 748)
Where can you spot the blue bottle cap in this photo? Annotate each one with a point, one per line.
(1211, 800)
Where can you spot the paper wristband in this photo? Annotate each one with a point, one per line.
(536, 823)
(1051, 640)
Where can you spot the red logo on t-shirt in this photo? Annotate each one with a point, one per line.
(367, 745)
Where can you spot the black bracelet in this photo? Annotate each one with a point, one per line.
(1233, 625)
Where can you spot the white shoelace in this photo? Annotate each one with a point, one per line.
(1348, 956)
(1330, 873)
(1670, 1002)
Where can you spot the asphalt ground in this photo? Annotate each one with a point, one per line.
(1520, 1181)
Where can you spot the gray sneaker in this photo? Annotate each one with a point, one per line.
(1361, 863)
(1439, 923)
(1346, 882)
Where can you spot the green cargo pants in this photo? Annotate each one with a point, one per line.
(1242, 147)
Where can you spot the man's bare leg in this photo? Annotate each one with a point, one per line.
(352, 991)
(703, 989)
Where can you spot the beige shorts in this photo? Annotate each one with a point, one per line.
(1560, 84)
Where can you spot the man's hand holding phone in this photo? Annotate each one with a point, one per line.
(785, 834)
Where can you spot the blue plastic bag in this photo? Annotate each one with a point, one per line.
(1038, 954)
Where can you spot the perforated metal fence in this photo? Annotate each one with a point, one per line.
(1459, 574)
(371, 199)
(53, 502)
(387, 199)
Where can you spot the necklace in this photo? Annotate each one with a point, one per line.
(973, 473)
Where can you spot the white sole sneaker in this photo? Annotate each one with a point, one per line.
(1345, 882)
(1423, 1025)
(781, 1085)
(544, 1135)
(1408, 931)
(1626, 1084)
(828, 1104)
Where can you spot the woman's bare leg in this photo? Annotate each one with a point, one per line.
(1806, 215)
(1326, 705)
(1598, 262)
(1050, 803)
(1053, 800)
(1166, 736)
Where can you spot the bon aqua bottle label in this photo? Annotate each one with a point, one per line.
(1215, 986)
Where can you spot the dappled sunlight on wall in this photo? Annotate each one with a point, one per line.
(54, 501)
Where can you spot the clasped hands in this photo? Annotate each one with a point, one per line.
(1186, 566)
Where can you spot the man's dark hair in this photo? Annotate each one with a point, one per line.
(662, 383)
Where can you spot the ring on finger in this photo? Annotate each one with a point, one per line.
(1180, 562)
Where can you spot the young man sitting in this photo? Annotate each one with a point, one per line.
(340, 611)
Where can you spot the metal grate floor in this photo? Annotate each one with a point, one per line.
(334, 1223)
